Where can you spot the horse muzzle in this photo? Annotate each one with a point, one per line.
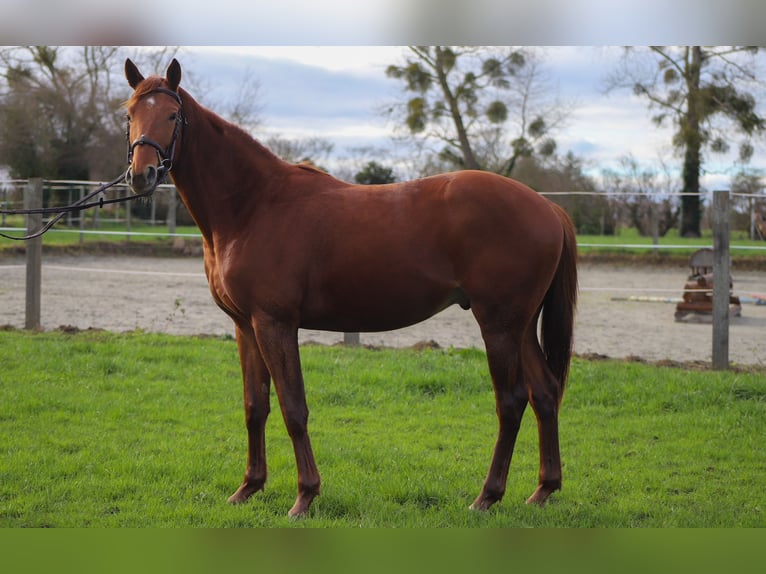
(152, 175)
(144, 181)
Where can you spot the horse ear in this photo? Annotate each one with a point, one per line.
(173, 75)
(132, 74)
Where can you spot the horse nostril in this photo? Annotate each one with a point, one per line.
(142, 181)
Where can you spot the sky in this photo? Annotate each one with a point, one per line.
(337, 92)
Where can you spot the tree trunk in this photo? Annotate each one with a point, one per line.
(690, 133)
(690, 222)
(510, 165)
(469, 159)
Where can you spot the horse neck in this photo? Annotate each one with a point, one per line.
(221, 172)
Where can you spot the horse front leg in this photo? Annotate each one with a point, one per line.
(256, 380)
(279, 345)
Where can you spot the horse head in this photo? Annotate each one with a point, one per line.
(155, 118)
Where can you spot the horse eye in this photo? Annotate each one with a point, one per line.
(173, 117)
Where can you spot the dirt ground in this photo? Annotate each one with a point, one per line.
(170, 295)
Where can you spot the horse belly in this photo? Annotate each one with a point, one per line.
(382, 305)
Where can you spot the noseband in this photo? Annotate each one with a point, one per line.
(166, 155)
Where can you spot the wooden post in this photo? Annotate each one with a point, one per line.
(127, 215)
(752, 218)
(154, 212)
(721, 275)
(351, 339)
(33, 199)
(69, 216)
(172, 202)
(81, 217)
(96, 212)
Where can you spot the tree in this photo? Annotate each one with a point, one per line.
(644, 196)
(310, 150)
(375, 173)
(242, 107)
(748, 186)
(591, 213)
(486, 107)
(695, 88)
(60, 112)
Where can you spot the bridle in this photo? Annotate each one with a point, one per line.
(166, 156)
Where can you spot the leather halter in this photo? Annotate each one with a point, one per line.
(166, 155)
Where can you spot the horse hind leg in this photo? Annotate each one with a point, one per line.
(511, 400)
(545, 396)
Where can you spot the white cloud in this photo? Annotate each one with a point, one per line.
(334, 92)
(360, 60)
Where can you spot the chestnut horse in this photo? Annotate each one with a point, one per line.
(288, 246)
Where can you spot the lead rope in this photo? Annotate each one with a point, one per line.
(166, 164)
(78, 205)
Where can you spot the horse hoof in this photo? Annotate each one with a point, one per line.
(302, 504)
(298, 512)
(540, 495)
(483, 503)
(237, 498)
(243, 493)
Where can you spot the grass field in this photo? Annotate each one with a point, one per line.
(107, 232)
(670, 244)
(139, 430)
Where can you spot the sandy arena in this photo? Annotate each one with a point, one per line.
(170, 295)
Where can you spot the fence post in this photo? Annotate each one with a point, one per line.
(81, 217)
(721, 275)
(351, 339)
(96, 212)
(33, 199)
(172, 202)
(752, 219)
(655, 222)
(127, 215)
(154, 212)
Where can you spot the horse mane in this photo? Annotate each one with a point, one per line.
(218, 123)
(307, 165)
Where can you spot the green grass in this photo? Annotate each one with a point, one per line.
(114, 233)
(138, 430)
(681, 246)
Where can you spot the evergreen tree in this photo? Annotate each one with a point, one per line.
(694, 87)
(485, 107)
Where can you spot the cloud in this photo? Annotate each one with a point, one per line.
(384, 22)
(300, 98)
(335, 93)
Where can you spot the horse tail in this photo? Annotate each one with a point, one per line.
(557, 328)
